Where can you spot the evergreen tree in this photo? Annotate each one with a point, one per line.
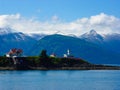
(44, 59)
(43, 54)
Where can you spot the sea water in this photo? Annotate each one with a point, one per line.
(60, 80)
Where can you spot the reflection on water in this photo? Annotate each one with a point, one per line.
(60, 80)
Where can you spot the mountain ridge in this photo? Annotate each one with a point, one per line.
(106, 48)
(79, 48)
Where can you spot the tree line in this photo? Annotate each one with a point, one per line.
(43, 60)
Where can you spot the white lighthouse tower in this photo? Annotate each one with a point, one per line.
(68, 54)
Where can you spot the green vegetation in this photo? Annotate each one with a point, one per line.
(49, 62)
(43, 60)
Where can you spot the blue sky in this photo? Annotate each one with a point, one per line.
(67, 16)
(65, 9)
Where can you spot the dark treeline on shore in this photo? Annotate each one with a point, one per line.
(49, 62)
(44, 62)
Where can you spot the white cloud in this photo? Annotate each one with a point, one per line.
(102, 23)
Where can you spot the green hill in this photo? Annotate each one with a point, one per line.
(59, 44)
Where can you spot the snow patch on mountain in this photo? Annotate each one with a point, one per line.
(5, 30)
(92, 36)
(36, 36)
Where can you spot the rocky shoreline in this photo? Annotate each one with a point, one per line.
(36, 63)
(93, 67)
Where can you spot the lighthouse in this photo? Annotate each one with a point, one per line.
(68, 54)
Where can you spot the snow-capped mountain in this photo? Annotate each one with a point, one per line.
(6, 30)
(90, 46)
(89, 51)
(92, 36)
(114, 36)
(7, 34)
(107, 41)
(37, 36)
(10, 39)
(112, 42)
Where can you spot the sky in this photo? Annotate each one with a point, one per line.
(64, 16)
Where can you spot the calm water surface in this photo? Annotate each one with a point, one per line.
(60, 80)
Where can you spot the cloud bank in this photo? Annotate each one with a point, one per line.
(102, 23)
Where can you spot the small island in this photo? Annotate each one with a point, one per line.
(45, 62)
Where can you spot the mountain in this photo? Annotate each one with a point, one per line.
(107, 41)
(37, 36)
(93, 37)
(6, 30)
(112, 42)
(90, 46)
(81, 48)
(10, 39)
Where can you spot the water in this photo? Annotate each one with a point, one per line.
(60, 80)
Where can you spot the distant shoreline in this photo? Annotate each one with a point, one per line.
(95, 67)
